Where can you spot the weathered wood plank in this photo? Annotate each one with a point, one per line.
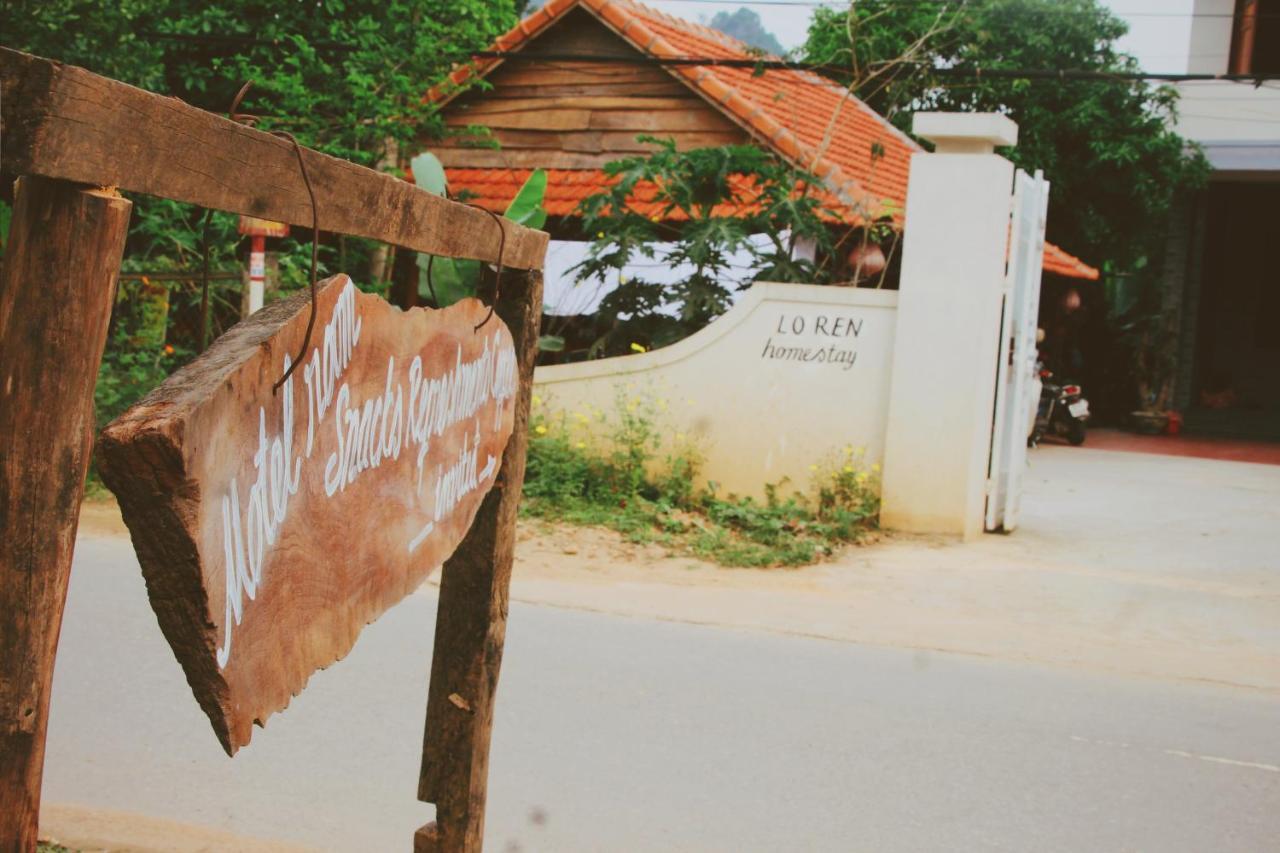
(64, 122)
(60, 265)
(273, 526)
(471, 623)
(537, 118)
(637, 120)
(559, 73)
(597, 141)
(634, 89)
(499, 103)
(520, 158)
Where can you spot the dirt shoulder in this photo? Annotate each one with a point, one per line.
(93, 830)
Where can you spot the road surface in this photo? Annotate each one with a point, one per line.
(618, 734)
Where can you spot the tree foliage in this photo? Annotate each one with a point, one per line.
(702, 208)
(1108, 148)
(346, 77)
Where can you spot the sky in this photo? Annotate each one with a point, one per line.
(1159, 30)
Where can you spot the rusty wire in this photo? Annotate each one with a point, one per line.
(250, 121)
(205, 229)
(497, 279)
(315, 257)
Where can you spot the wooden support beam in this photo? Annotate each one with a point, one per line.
(58, 284)
(471, 621)
(64, 122)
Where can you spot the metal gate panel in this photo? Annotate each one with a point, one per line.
(1016, 389)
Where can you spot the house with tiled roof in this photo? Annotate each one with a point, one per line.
(550, 109)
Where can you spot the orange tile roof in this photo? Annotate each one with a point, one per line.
(1062, 263)
(494, 188)
(862, 158)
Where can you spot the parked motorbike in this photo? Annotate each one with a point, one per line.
(1063, 411)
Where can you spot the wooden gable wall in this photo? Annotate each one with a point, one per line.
(562, 114)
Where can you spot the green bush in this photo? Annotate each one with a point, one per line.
(628, 473)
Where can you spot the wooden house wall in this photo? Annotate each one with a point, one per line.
(577, 114)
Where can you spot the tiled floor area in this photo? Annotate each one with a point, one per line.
(1261, 452)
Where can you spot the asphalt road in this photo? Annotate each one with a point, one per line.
(616, 734)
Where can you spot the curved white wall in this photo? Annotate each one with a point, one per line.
(791, 373)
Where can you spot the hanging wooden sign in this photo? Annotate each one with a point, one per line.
(272, 526)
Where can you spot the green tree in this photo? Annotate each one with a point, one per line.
(1107, 147)
(344, 77)
(709, 203)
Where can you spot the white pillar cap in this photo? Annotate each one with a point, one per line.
(965, 133)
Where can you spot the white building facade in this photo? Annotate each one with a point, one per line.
(1222, 281)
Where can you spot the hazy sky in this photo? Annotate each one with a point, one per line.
(1159, 30)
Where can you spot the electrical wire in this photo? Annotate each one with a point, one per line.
(975, 72)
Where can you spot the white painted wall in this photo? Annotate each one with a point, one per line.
(1216, 112)
(1238, 122)
(789, 375)
(1209, 45)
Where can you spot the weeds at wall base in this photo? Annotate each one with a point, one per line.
(585, 468)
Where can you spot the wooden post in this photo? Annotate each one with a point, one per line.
(404, 279)
(58, 283)
(471, 619)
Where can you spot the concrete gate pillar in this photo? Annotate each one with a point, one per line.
(947, 340)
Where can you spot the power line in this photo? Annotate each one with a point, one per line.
(938, 3)
(966, 72)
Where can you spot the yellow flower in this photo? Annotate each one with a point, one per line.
(581, 445)
(540, 429)
(679, 436)
(580, 416)
(876, 468)
(862, 477)
(631, 407)
(638, 348)
(813, 467)
(537, 401)
(599, 235)
(848, 469)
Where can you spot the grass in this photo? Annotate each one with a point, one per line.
(625, 473)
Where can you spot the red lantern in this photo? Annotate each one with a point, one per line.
(867, 260)
(1071, 301)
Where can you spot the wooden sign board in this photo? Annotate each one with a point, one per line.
(271, 527)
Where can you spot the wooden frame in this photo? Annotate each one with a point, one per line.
(68, 132)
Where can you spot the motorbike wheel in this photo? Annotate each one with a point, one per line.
(1076, 433)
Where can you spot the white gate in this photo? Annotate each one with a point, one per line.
(1017, 391)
